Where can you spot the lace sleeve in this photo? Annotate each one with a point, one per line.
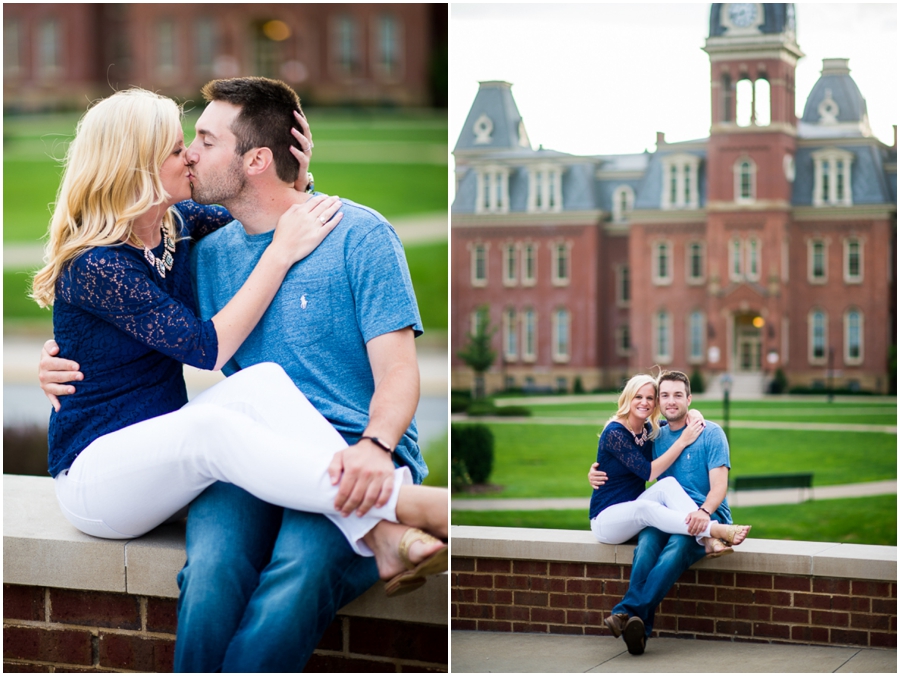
(118, 289)
(202, 219)
(620, 444)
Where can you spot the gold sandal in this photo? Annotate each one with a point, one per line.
(715, 552)
(414, 576)
(732, 531)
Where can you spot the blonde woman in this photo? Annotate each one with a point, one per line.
(622, 508)
(126, 450)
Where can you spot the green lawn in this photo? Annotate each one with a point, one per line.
(870, 520)
(435, 455)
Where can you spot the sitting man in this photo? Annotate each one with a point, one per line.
(261, 583)
(660, 558)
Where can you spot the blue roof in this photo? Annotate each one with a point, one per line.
(869, 183)
(843, 91)
(494, 102)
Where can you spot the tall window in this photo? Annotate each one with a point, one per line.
(832, 177)
(388, 46)
(623, 341)
(735, 260)
(561, 338)
(12, 47)
(696, 336)
(744, 181)
(622, 203)
(762, 104)
(479, 265)
(853, 337)
(744, 112)
(818, 336)
(681, 181)
(662, 263)
(662, 337)
(345, 43)
(727, 98)
(166, 47)
(529, 264)
(545, 189)
(510, 337)
(853, 268)
(623, 286)
(560, 263)
(49, 47)
(818, 259)
(204, 44)
(753, 259)
(509, 264)
(492, 191)
(695, 262)
(529, 335)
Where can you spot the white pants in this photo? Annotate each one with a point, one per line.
(255, 430)
(665, 505)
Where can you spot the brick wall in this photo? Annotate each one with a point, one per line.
(495, 594)
(47, 629)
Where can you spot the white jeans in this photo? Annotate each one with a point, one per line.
(255, 430)
(665, 505)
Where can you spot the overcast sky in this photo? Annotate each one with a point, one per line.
(604, 78)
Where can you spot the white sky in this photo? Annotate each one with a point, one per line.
(604, 78)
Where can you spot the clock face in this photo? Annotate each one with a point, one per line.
(742, 14)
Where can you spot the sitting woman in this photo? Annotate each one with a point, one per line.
(622, 508)
(127, 451)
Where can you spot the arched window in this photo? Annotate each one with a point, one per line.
(753, 259)
(561, 329)
(853, 337)
(818, 336)
(695, 262)
(762, 103)
(744, 180)
(744, 107)
(735, 260)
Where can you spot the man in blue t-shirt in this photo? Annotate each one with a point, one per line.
(262, 583)
(661, 558)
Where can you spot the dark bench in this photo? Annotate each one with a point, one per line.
(770, 481)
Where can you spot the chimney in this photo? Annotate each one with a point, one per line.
(835, 66)
(660, 139)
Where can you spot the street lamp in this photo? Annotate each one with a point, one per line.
(726, 382)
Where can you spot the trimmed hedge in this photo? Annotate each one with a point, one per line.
(474, 446)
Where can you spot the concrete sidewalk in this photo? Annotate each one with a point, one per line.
(493, 652)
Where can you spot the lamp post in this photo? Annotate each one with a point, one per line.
(726, 382)
(830, 378)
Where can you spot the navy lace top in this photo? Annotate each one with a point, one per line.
(626, 464)
(130, 330)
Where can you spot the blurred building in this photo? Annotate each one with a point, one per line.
(768, 245)
(58, 55)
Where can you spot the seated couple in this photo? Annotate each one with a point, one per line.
(683, 517)
(299, 502)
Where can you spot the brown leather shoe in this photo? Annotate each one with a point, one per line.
(616, 623)
(634, 635)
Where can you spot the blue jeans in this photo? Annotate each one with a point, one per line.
(659, 560)
(259, 578)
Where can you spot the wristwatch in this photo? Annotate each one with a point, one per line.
(378, 442)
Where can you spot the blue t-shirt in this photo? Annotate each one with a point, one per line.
(626, 464)
(130, 330)
(354, 287)
(692, 467)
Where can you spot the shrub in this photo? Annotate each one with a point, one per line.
(481, 407)
(577, 387)
(698, 385)
(474, 446)
(779, 383)
(512, 411)
(459, 475)
(459, 404)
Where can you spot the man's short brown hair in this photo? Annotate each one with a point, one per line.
(676, 376)
(266, 118)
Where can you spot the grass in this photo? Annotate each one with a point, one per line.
(435, 455)
(869, 520)
(428, 269)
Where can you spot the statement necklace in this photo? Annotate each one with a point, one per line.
(161, 264)
(639, 440)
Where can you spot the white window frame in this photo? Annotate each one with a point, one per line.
(686, 174)
(736, 259)
(752, 250)
(483, 248)
(811, 257)
(555, 249)
(510, 335)
(848, 359)
(529, 325)
(510, 259)
(660, 247)
(689, 260)
(623, 284)
(811, 330)
(562, 318)
(623, 193)
(662, 329)
(848, 278)
(696, 320)
(49, 47)
(532, 249)
(828, 158)
(545, 193)
(739, 197)
(492, 190)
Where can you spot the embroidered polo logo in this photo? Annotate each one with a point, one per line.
(303, 302)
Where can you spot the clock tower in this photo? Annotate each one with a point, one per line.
(753, 55)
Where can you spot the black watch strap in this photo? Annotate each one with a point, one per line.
(378, 442)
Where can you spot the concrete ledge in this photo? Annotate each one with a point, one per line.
(42, 549)
(786, 557)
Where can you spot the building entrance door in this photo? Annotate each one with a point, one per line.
(748, 345)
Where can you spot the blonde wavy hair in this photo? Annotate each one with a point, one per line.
(629, 393)
(111, 176)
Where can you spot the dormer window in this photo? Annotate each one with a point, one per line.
(492, 192)
(832, 185)
(622, 204)
(680, 182)
(545, 189)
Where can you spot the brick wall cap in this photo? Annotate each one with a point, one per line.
(41, 548)
(784, 557)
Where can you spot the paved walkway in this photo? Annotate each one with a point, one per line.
(492, 652)
(781, 496)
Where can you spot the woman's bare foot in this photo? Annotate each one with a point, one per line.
(384, 541)
(424, 507)
(729, 533)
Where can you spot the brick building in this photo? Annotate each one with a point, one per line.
(768, 245)
(58, 55)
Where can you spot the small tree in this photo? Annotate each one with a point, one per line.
(477, 353)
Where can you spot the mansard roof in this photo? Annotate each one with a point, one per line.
(493, 123)
(835, 106)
